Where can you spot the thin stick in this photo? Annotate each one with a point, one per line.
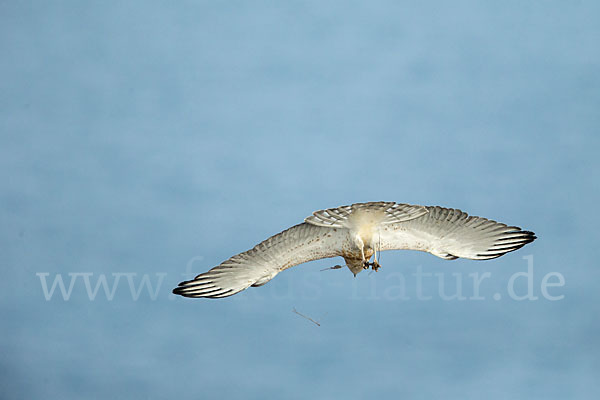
(334, 267)
(308, 318)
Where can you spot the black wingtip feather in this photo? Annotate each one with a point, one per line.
(185, 285)
(224, 294)
(500, 247)
(179, 290)
(190, 289)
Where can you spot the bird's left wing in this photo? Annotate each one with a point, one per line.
(255, 267)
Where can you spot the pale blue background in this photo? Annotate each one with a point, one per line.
(137, 136)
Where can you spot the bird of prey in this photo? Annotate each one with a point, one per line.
(356, 233)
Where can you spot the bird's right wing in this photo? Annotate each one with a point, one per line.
(449, 233)
(257, 266)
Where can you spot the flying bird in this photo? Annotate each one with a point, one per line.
(357, 233)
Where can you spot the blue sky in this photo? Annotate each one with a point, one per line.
(151, 140)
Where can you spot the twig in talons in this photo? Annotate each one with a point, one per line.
(334, 267)
(304, 316)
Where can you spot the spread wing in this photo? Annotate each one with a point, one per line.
(257, 266)
(449, 233)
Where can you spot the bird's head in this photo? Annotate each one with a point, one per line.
(355, 265)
